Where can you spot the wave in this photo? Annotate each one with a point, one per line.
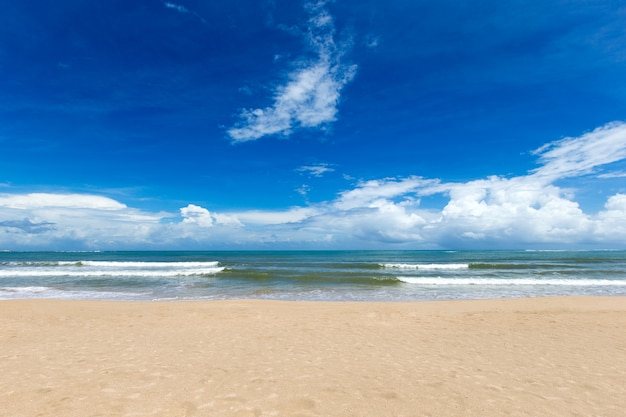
(499, 281)
(130, 264)
(7, 293)
(56, 272)
(427, 267)
(29, 263)
(116, 264)
(481, 265)
(88, 269)
(22, 290)
(486, 265)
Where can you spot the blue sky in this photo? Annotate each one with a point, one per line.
(312, 124)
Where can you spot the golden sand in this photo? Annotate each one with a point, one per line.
(523, 357)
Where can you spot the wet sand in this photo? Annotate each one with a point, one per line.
(521, 357)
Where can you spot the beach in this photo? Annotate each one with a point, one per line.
(554, 356)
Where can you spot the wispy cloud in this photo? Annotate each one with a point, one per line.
(616, 174)
(522, 211)
(372, 42)
(303, 190)
(310, 96)
(316, 170)
(182, 9)
(577, 156)
(367, 193)
(176, 7)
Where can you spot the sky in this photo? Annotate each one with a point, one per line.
(299, 124)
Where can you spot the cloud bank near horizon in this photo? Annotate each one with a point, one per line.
(310, 96)
(495, 212)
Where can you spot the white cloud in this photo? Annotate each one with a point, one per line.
(572, 157)
(316, 170)
(382, 222)
(616, 205)
(372, 42)
(71, 220)
(370, 191)
(182, 9)
(611, 223)
(177, 7)
(227, 219)
(197, 215)
(46, 200)
(493, 212)
(616, 174)
(202, 217)
(259, 217)
(303, 190)
(518, 209)
(311, 94)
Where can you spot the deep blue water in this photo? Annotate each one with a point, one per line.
(311, 275)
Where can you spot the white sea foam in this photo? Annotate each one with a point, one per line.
(23, 290)
(427, 267)
(497, 281)
(118, 264)
(103, 272)
(7, 293)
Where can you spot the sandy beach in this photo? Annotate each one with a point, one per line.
(521, 357)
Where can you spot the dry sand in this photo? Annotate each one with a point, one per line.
(531, 357)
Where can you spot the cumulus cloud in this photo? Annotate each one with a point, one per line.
(491, 212)
(495, 212)
(193, 214)
(310, 96)
(611, 221)
(197, 215)
(61, 221)
(518, 209)
(368, 192)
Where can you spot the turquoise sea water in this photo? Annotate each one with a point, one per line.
(311, 275)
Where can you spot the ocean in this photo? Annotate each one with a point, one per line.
(311, 275)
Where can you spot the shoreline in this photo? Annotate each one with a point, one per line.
(549, 356)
